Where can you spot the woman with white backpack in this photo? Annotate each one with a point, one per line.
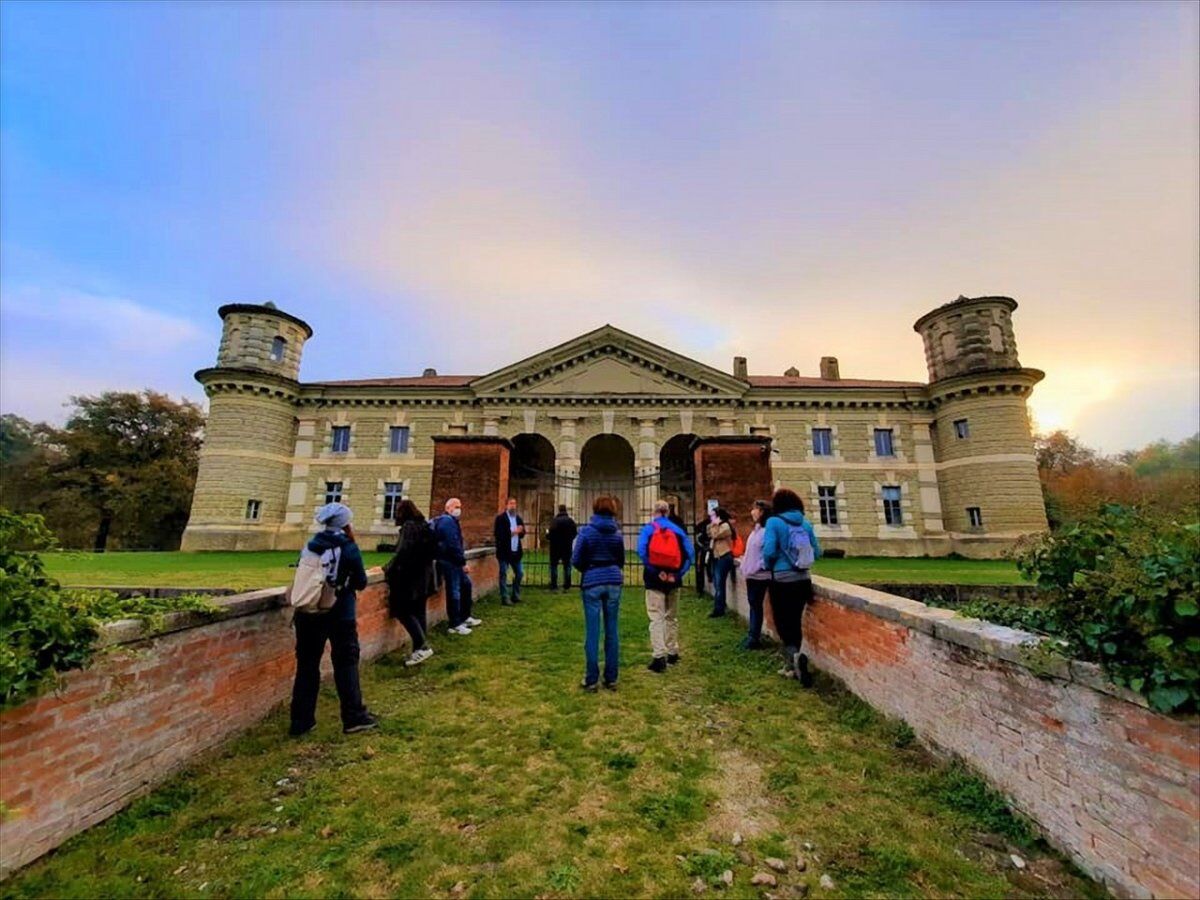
(789, 548)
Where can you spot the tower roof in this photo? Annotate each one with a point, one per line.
(264, 309)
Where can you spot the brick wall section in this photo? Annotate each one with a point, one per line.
(736, 472)
(474, 469)
(146, 707)
(1111, 783)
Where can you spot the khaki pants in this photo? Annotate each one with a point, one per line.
(663, 609)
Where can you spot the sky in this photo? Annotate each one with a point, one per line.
(461, 185)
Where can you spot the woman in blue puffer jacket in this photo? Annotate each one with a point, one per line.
(600, 555)
(791, 584)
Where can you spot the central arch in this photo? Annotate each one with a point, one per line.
(606, 467)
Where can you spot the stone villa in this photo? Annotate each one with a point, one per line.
(885, 467)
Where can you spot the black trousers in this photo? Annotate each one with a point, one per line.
(701, 568)
(788, 599)
(563, 559)
(409, 611)
(313, 631)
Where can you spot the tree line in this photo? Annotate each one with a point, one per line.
(120, 473)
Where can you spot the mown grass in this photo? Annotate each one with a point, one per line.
(494, 776)
(265, 569)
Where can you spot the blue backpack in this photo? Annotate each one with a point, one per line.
(799, 550)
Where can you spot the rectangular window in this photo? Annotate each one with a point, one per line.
(333, 492)
(883, 442)
(961, 429)
(399, 439)
(393, 493)
(341, 438)
(975, 516)
(253, 509)
(892, 514)
(822, 441)
(827, 498)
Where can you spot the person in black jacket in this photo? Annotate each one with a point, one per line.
(338, 627)
(561, 537)
(410, 578)
(508, 530)
(703, 555)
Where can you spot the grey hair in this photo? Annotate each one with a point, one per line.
(661, 507)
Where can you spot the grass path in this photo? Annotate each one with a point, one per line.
(245, 570)
(494, 776)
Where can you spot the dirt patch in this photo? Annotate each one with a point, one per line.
(743, 804)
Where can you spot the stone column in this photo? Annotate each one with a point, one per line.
(734, 470)
(566, 470)
(473, 468)
(646, 467)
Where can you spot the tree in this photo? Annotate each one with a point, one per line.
(1061, 452)
(122, 467)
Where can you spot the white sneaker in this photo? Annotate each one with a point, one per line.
(474, 622)
(426, 652)
(418, 657)
(461, 629)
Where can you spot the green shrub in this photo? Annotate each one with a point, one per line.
(45, 629)
(1121, 588)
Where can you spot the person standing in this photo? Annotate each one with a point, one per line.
(702, 553)
(599, 555)
(451, 558)
(338, 627)
(666, 554)
(410, 578)
(755, 574)
(789, 549)
(509, 530)
(561, 538)
(720, 536)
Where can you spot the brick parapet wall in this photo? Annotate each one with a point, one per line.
(150, 703)
(1111, 783)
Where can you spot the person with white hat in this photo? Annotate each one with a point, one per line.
(338, 627)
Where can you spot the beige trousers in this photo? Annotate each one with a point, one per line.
(663, 609)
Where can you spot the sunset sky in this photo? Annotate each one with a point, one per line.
(462, 185)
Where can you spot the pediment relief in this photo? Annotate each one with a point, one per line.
(609, 362)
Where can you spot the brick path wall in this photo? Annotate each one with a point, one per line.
(146, 707)
(1111, 783)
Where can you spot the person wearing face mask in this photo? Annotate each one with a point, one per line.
(720, 535)
(756, 574)
(452, 568)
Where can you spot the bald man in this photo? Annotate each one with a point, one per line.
(452, 567)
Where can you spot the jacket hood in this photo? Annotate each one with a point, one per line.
(793, 517)
(327, 540)
(605, 524)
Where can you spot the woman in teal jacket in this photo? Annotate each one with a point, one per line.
(791, 585)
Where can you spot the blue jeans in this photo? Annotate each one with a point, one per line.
(756, 592)
(459, 593)
(518, 575)
(721, 569)
(606, 599)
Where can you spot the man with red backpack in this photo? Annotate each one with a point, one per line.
(667, 554)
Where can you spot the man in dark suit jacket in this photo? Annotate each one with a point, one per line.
(561, 537)
(508, 531)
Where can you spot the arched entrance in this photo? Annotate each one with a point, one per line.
(677, 475)
(606, 468)
(531, 481)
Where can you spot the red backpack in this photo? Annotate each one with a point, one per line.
(663, 551)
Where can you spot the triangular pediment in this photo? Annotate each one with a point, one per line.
(609, 362)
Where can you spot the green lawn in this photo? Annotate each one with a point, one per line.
(494, 776)
(252, 570)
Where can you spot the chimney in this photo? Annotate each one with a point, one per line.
(829, 368)
(429, 373)
(739, 368)
(791, 372)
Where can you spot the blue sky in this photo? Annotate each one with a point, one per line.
(460, 185)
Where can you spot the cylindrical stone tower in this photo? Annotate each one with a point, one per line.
(245, 465)
(987, 471)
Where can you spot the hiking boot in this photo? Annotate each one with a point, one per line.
(672, 658)
(658, 664)
(300, 730)
(588, 686)
(806, 679)
(370, 723)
